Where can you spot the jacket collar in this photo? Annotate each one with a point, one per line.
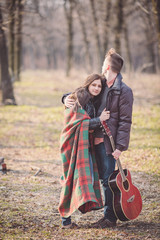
(117, 83)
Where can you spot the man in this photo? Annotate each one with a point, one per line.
(117, 98)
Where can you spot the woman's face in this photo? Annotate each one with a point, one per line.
(95, 87)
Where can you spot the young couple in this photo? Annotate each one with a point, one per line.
(84, 147)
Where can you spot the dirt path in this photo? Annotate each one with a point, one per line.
(30, 202)
(29, 133)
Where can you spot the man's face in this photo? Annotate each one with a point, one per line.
(105, 65)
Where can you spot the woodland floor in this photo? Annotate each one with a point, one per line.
(29, 142)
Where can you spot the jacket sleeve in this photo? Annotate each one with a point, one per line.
(64, 96)
(125, 119)
(94, 123)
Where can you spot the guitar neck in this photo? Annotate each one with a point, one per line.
(107, 131)
(118, 160)
(121, 170)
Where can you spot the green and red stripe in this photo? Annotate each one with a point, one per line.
(77, 193)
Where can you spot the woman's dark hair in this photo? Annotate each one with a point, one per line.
(91, 78)
(81, 94)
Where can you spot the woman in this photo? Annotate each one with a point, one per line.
(81, 190)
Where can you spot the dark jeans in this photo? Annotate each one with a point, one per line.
(66, 221)
(106, 165)
(91, 168)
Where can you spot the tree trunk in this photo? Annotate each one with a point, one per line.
(88, 59)
(69, 17)
(0, 78)
(156, 12)
(149, 31)
(54, 56)
(7, 88)
(151, 61)
(96, 35)
(119, 25)
(129, 60)
(106, 26)
(18, 39)
(11, 35)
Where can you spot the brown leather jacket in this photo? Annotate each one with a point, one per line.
(119, 103)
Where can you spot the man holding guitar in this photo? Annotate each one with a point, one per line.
(117, 99)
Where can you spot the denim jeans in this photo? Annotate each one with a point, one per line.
(106, 165)
(91, 167)
(66, 221)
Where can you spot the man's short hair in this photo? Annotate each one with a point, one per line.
(116, 61)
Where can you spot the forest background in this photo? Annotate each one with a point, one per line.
(48, 48)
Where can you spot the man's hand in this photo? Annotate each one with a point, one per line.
(69, 102)
(116, 154)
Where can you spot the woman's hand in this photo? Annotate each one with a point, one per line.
(105, 115)
(69, 102)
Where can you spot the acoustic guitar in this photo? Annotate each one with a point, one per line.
(127, 201)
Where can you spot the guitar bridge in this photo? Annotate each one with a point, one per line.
(131, 199)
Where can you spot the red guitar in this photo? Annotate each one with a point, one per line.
(127, 201)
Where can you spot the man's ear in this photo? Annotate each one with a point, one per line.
(105, 71)
(108, 67)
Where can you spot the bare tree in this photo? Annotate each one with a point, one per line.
(150, 32)
(18, 38)
(88, 60)
(119, 25)
(11, 6)
(6, 84)
(91, 30)
(151, 41)
(156, 12)
(106, 26)
(128, 11)
(96, 34)
(127, 45)
(68, 9)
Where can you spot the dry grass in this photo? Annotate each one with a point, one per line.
(29, 141)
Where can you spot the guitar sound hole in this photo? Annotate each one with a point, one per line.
(126, 185)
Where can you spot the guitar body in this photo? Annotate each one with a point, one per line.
(127, 201)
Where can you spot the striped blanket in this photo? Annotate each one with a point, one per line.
(78, 190)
